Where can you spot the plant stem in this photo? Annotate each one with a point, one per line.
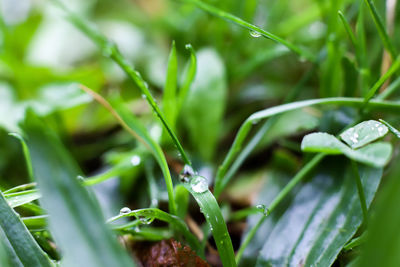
(360, 191)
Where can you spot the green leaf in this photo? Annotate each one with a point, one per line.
(382, 239)
(20, 245)
(146, 216)
(317, 220)
(205, 104)
(75, 218)
(20, 198)
(198, 188)
(169, 96)
(364, 133)
(376, 154)
(391, 128)
(189, 75)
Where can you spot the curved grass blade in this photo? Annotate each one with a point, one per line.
(21, 187)
(390, 89)
(146, 216)
(26, 154)
(35, 222)
(169, 95)
(209, 207)
(254, 29)
(20, 198)
(75, 218)
(348, 29)
(269, 112)
(110, 50)
(19, 241)
(135, 128)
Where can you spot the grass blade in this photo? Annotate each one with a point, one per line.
(190, 74)
(391, 128)
(129, 123)
(110, 50)
(347, 28)
(25, 150)
(254, 29)
(169, 96)
(20, 198)
(146, 216)
(20, 241)
(381, 29)
(75, 219)
(209, 207)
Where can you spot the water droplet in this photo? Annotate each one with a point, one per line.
(255, 34)
(125, 210)
(260, 206)
(263, 209)
(221, 242)
(135, 160)
(199, 184)
(146, 220)
(144, 96)
(186, 173)
(109, 49)
(188, 46)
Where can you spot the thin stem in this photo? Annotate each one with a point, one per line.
(278, 199)
(360, 191)
(238, 21)
(347, 28)
(389, 90)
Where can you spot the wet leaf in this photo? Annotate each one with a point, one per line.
(364, 133)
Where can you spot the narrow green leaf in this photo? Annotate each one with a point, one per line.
(75, 219)
(25, 150)
(189, 75)
(198, 188)
(146, 216)
(364, 133)
(20, 198)
(18, 239)
(169, 95)
(205, 103)
(135, 128)
(347, 28)
(391, 128)
(376, 154)
(254, 30)
(35, 222)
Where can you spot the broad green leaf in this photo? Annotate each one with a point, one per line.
(20, 198)
(205, 103)
(376, 154)
(316, 221)
(75, 218)
(364, 133)
(170, 107)
(19, 244)
(383, 241)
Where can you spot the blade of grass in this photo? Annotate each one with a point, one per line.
(75, 218)
(129, 123)
(238, 21)
(381, 29)
(395, 66)
(25, 150)
(360, 191)
(169, 95)
(390, 89)
(20, 198)
(264, 114)
(20, 187)
(209, 207)
(391, 128)
(18, 238)
(190, 74)
(110, 50)
(278, 199)
(348, 28)
(146, 216)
